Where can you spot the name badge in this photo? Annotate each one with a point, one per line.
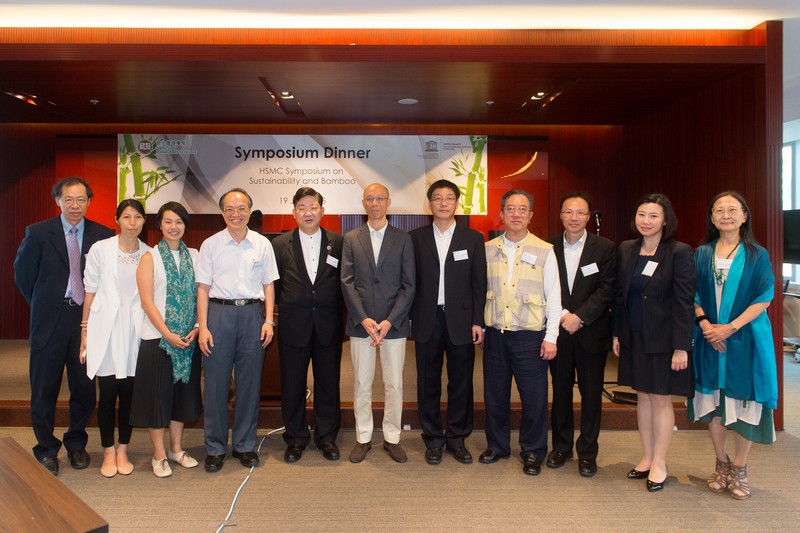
(460, 255)
(588, 270)
(332, 261)
(528, 257)
(649, 268)
(724, 264)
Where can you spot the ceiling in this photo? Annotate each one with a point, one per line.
(337, 84)
(345, 92)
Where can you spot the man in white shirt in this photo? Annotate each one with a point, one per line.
(587, 266)
(523, 308)
(447, 316)
(235, 273)
(378, 286)
(310, 328)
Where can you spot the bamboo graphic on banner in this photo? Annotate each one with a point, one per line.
(476, 176)
(145, 182)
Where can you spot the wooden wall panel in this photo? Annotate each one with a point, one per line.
(27, 165)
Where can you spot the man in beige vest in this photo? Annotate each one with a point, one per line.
(523, 308)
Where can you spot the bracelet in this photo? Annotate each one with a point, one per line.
(270, 322)
(196, 326)
(735, 329)
(700, 319)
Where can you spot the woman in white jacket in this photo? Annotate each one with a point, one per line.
(111, 329)
(167, 392)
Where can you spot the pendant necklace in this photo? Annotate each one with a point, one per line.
(718, 273)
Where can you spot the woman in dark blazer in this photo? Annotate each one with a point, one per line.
(653, 321)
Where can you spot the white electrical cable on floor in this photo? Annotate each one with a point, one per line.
(239, 490)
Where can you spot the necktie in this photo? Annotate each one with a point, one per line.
(75, 278)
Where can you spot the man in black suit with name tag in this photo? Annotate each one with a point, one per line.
(447, 316)
(587, 268)
(310, 327)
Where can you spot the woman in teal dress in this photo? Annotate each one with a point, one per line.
(734, 358)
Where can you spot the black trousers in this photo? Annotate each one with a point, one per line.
(590, 367)
(112, 388)
(46, 370)
(460, 366)
(326, 360)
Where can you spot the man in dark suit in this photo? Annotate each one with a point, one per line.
(378, 282)
(48, 271)
(586, 265)
(310, 328)
(447, 315)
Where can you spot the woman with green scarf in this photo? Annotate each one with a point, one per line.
(736, 379)
(167, 385)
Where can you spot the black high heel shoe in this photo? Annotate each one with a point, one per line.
(638, 474)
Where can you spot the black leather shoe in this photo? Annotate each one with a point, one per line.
(51, 464)
(78, 459)
(292, 454)
(655, 486)
(531, 464)
(489, 456)
(247, 459)
(460, 453)
(214, 462)
(330, 451)
(557, 458)
(433, 456)
(587, 467)
(638, 474)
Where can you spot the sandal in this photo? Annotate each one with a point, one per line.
(738, 485)
(718, 481)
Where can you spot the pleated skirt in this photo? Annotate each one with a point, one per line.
(156, 398)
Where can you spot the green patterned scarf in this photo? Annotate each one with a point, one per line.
(181, 310)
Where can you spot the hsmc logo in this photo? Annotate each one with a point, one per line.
(145, 147)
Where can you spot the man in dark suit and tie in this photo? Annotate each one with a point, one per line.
(48, 271)
(378, 282)
(587, 269)
(310, 327)
(447, 316)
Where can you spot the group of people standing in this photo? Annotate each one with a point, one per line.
(142, 319)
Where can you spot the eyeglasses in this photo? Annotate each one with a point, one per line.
(314, 209)
(511, 209)
(569, 213)
(730, 211)
(443, 199)
(69, 200)
(239, 210)
(379, 199)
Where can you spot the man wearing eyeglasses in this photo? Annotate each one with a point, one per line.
(235, 272)
(48, 271)
(378, 281)
(587, 270)
(523, 308)
(447, 316)
(310, 328)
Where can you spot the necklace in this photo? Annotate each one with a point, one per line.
(719, 277)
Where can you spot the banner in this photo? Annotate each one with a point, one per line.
(196, 170)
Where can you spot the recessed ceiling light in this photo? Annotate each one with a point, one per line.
(25, 97)
(408, 101)
(537, 96)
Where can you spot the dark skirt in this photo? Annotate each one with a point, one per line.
(156, 399)
(652, 372)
